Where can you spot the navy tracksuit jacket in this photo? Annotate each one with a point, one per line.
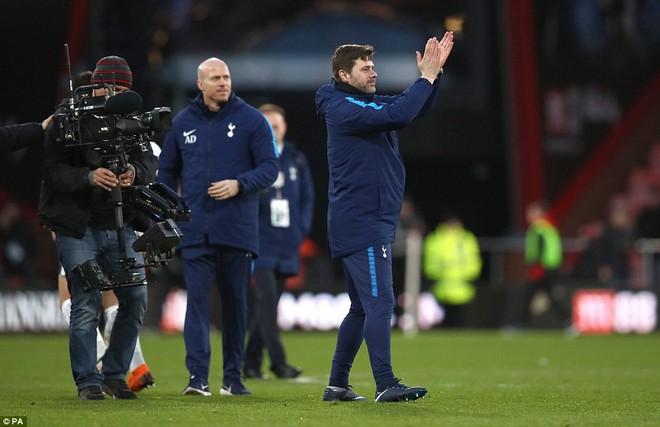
(367, 175)
(279, 246)
(203, 147)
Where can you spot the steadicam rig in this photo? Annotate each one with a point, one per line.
(108, 127)
(160, 204)
(164, 206)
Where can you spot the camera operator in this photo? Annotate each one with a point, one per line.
(79, 205)
(15, 137)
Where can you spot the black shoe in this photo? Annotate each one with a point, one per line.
(340, 394)
(398, 392)
(93, 392)
(286, 371)
(117, 389)
(254, 373)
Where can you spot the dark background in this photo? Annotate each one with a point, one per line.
(458, 158)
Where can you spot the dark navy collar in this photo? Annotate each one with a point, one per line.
(345, 87)
(199, 101)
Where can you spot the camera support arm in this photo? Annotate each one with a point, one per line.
(117, 202)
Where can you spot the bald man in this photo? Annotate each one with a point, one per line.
(221, 152)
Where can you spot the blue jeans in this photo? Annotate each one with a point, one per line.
(102, 246)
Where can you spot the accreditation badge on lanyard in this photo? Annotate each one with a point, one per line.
(279, 207)
(279, 213)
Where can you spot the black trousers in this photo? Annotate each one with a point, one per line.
(545, 284)
(263, 331)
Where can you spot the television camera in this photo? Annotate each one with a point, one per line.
(107, 127)
(107, 124)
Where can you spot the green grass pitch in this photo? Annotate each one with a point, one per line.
(475, 378)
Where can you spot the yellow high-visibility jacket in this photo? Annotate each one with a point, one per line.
(453, 260)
